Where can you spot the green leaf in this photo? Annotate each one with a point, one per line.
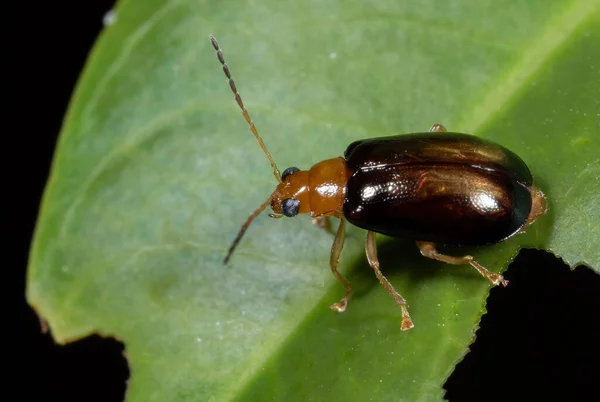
(155, 171)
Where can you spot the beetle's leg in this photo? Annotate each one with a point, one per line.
(429, 251)
(371, 250)
(323, 222)
(538, 207)
(336, 250)
(437, 128)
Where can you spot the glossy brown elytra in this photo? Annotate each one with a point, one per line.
(434, 188)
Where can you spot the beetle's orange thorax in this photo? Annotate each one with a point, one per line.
(320, 190)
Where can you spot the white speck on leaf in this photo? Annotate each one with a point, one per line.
(109, 18)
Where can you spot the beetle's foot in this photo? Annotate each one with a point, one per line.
(493, 277)
(437, 128)
(339, 307)
(406, 321)
(497, 279)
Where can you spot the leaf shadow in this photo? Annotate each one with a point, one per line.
(402, 257)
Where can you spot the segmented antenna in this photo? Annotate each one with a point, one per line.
(245, 227)
(238, 99)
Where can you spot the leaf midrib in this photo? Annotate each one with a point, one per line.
(539, 50)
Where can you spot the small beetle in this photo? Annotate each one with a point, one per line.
(434, 188)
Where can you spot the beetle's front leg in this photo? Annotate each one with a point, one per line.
(323, 222)
(336, 250)
(437, 128)
(371, 249)
(428, 250)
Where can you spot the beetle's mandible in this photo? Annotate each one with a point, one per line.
(434, 188)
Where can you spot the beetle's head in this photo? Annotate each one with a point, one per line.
(290, 198)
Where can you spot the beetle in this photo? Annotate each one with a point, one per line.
(435, 187)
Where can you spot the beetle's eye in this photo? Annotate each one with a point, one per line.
(288, 172)
(290, 207)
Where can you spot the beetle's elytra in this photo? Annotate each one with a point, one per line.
(434, 188)
(447, 188)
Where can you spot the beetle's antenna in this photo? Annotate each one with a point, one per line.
(245, 227)
(238, 99)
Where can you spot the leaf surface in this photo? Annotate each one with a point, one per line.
(155, 171)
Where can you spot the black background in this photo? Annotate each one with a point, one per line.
(539, 341)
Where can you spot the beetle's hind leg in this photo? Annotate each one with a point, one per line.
(539, 206)
(371, 250)
(437, 128)
(428, 250)
(336, 250)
